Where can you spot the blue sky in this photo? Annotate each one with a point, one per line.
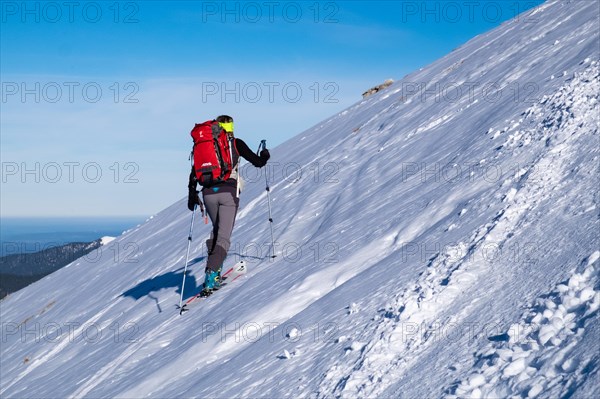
(98, 98)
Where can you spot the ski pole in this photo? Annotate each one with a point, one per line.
(186, 258)
(263, 146)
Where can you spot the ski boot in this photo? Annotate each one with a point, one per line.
(212, 282)
(218, 279)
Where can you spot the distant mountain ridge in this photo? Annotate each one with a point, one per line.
(19, 270)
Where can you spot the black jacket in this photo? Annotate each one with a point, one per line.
(241, 149)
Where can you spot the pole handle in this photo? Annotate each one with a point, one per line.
(261, 146)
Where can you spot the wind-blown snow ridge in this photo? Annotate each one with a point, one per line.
(413, 234)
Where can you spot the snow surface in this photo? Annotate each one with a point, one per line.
(428, 246)
(106, 240)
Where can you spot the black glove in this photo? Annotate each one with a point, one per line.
(193, 200)
(192, 182)
(264, 154)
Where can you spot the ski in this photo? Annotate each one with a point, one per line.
(232, 274)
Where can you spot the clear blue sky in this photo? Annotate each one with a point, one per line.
(98, 98)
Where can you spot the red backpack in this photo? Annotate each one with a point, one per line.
(211, 153)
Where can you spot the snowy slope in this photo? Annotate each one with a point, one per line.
(428, 246)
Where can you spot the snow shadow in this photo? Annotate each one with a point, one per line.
(196, 260)
(172, 279)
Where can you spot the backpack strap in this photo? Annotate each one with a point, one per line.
(216, 129)
(236, 165)
(232, 147)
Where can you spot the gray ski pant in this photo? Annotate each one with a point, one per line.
(222, 207)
